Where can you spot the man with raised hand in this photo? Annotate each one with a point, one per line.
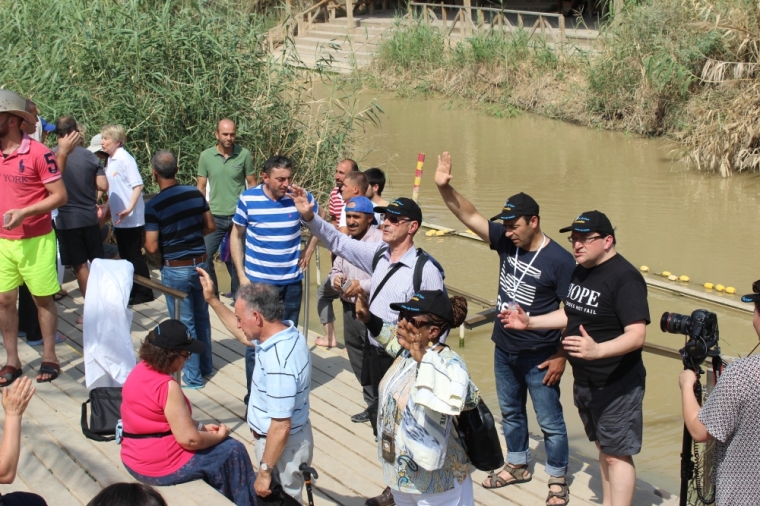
(226, 169)
(31, 188)
(349, 281)
(534, 272)
(605, 317)
(268, 227)
(392, 264)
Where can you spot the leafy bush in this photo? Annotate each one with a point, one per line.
(168, 72)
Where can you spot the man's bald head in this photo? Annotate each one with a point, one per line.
(226, 133)
(164, 164)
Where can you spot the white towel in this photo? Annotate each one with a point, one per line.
(424, 435)
(442, 383)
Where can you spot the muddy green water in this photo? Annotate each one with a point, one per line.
(666, 216)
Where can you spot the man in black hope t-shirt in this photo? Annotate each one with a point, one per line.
(534, 273)
(605, 315)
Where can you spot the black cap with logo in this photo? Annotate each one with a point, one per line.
(174, 335)
(591, 221)
(755, 296)
(518, 205)
(428, 301)
(402, 206)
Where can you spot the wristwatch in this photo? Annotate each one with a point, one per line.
(264, 467)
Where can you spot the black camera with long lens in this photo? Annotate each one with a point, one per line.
(702, 329)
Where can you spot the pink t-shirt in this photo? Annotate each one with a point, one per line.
(23, 175)
(142, 412)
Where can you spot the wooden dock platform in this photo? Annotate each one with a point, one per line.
(60, 464)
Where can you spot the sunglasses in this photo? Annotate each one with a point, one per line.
(411, 319)
(394, 221)
(185, 354)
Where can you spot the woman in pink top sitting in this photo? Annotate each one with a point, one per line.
(162, 444)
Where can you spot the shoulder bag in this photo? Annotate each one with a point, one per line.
(477, 430)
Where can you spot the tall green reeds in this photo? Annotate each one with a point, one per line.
(168, 71)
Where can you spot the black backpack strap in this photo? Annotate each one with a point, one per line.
(419, 265)
(86, 429)
(378, 255)
(390, 273)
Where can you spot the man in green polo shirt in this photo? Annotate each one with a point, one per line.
(227, 168)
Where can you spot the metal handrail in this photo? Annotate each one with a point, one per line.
(178, 298)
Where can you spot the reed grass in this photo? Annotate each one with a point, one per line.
(168, 71)
(685, 69)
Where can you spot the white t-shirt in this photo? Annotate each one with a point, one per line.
(123, 176)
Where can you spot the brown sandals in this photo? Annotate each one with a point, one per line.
(564, 494)
(518, 473)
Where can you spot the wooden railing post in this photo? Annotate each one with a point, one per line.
(443, 17)
(562, 37)
(287, 8)
(468, 18)
(350, 16)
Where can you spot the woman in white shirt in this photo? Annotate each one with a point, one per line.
(125, 202)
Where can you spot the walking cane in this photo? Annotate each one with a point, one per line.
(307, 472)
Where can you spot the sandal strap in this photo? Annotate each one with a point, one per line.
(518, 473)
(564, 494)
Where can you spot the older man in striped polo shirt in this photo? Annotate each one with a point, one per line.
(271, 225)
(176, 220)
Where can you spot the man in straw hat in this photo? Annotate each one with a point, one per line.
(31, 187)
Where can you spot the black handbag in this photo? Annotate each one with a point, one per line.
(105, 412)
(477, 430)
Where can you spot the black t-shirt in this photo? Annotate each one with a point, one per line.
(82, 167)
(541, 290)
(605, 299)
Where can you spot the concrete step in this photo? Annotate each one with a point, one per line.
(361, 51)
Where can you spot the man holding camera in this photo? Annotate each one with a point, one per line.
(605, 317)
(730, 417)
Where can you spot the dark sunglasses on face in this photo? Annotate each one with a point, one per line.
(394, 221)
(185, 354)
(410, 318)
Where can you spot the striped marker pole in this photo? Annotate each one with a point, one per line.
(418, 176)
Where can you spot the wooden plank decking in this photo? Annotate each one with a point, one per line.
(59, 463)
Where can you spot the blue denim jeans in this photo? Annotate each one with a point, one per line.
(517, 374)
(194, 314)
(213, 241)
(290, 295)
(225, 466)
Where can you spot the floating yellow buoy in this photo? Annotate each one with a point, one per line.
(644, 268)
(666, 274)
(440, 232)
(709, 286)
(730, 289)
(720, 288)
(430, 233)
(672, 277)
(684, 278)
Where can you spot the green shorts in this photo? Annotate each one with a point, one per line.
(31, 261)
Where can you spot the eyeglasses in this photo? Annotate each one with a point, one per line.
(587, 240)
(394, 221)
(185, 354)
(410, 318)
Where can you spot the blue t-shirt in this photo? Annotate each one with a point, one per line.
(177, 214)
(281, 381)
(541, 290)
(272, 236)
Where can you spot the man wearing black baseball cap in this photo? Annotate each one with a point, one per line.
(605, 318)
(534, 273)
(730, 417)
(392, 263)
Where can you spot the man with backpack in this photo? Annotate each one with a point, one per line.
(398, 270)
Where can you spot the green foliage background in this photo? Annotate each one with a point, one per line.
(168, 71)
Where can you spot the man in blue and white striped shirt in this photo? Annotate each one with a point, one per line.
(271, 225)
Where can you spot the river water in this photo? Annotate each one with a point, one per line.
(667, 217)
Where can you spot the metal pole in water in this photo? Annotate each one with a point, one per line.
(461, 336)
(418, 176)
(306, 276)
(319, 270)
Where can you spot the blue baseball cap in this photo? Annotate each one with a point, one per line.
(361, 205)
(47, 127)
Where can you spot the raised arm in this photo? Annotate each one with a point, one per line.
(358, 253)
(228, 318)
(15, 400)
(457, 204)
